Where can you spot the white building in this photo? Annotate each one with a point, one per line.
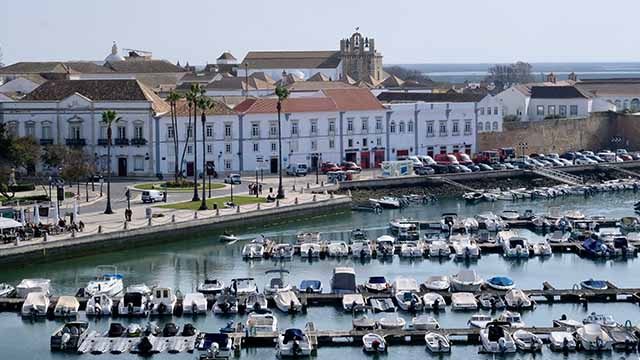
(557, 102)
(303, 64)
(623, 93)
(490, 116)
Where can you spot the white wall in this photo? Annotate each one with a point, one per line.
(582, 104)
(19, 85)
(489, 111)
(513, 102)
(276, 74)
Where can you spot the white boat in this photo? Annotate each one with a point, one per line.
(338, 249)
(391, 322)
(35, 304)
(562, 341)
(287, 301)
(408, 301)
(226, 303)
(601, 319)
(163, 301)
(311, 286)
(479, 321)
(527, 341)
(293, 343)
(514, 247)
(377, 284)
(437, 282)
(353, 302)
(99, 305)
(424, 322)
(214, 346)
(437, 343)
(363, 323)
(243, 286)
(463, 301)
(501, 283)
(277, 283)
(66, 306)
(542, 248)
(343, 280)
(308, 237)
(490, 221)
(258, 323)
(310, 250)
(470, 225)
(361, 249)
(513, 318)
(194, 303)
(405, 284)
(558, 236)
(434, 301)
(69, 336)
(6, 290)
(373, 343)
(382, 305)
(211, 287)
(107, 282)
(282, 252)
(386, 202)
(574, 215)
(496, 339)
(510, 215)
(227, 237)
(27, 286)
(256, 302)
(253, 251)
(439, 249)
(465, 248)
(592, 337)
(466, 280)
(139, 288)
(134, 303)
(517, 299)
(411, 250)
(385, 245)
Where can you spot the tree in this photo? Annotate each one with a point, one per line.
(54, 155)
(204, 104)
(408, 74)
(283, 94)
(505, 75)
(26, 153)
(15, 154)
(109, 118)
(76, 166)
(173, 99)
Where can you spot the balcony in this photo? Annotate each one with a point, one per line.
(76, 142)
(121, 141)
(45, 142)
(103, 142)
(138, 142)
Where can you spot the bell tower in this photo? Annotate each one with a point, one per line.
(360, 60)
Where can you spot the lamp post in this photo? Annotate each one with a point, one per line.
(203, 205)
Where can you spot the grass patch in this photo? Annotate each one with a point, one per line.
(157, 186)
(195, 205)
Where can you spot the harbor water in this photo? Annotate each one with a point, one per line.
(183, 264)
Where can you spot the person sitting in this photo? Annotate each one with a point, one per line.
(81, 225)
(271, 198)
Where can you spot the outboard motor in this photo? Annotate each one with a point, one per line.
(145, 346)
(436, 305)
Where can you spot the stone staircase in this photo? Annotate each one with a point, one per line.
(558, 175)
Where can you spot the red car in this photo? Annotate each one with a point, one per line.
(626, 157)
(350, 165)
(328, 167)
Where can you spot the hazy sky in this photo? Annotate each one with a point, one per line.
(406, 31)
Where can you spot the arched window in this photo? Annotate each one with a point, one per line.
(410, 126)
(495, 126)
(626, 104)
(635, 105)
(480, 126)
(487, 126)
(401, 127)
(392, 127)
(618, 105)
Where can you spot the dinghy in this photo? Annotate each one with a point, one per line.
(226, 303)
(513, 318)
(502, 283)
(287, 301)
(310, 250)
(437, 282)
(434, 301)
(163, 301)
(6, 290)
(466, 280)
(353, 302)
(592, 337)
(592, 284)
(108, 281)
(363, 323)
(194, 304)
(491, 302)
(282, 252)
(99, 305)
(391, 322)
(211, 287)
(258, 323)
(293, 343)
(463, 302)
(479, 321)
(424, 322)
(495, 339)
(527, 341)
(228, 237)
(382, 305)
(311, 286)
(373, 343)
(35, 305)
(517, 299)
(437, 343)
(338, 249)
(253, 251)
(69, 336)
(255, 302)
(66, 306)
(562, 341)
(439, 249)
(377, 284)
(27, 286)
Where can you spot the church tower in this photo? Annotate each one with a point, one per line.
(360, 60)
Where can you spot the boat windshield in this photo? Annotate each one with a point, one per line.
(377, 280)
(516, 242)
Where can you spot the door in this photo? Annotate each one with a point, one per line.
(378, 157)
(190, 168)
(351, 156)
(365, 162)
(122, 166)
(274, 165)
(402, 154)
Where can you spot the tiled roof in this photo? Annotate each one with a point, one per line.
(261, 75)
(219, 108)
(428, 97)
(238, 83)
(319, 77)
(354, 99)
(556, 92)
(143, 66)
(202, 77)
(226, 56)
(54, 67)
(318, 85)
(598, 87)
(292, 59)
(392, 81)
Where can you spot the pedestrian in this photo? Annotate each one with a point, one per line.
(260, 188)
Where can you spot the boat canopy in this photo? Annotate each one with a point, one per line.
(314, 284)
(377, 280)
(501, 281)
(293, 334)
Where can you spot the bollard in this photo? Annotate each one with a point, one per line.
(349, 193)
(73, 233)
(238, 209)
(277, 203)
(173, 218)
(99, 229)
(294, 187)
(308, 186)
(16, 242)
(46, 237)
(301, 190)
(258, 206)
(125, 225)
(325, 192)
(195, 214)
(218, 212)
(322, 183)
(331, 195)
(295, 201)
(149, 223)
(314, 197)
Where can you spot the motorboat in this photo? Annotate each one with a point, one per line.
(630, 224)
(517, 299)
(542, 248)
(434, 301)
(373, 343)
(496, 339)
(439, 249)
(405, 229)
(391, 322)
(253, 251)
(600, 319)
(437, 282)
(465, 248)
(411, 250)
(515, 247)
(358, 235)
(574, 215)
(262, 322)
(594, 247)
(437, 343)
(226, 303)
(408, 300)
(562, 341)
(473, 197)
(592, 337)
(558, 236)
(361, 249)
(66, 306)
(108, 281)
(163, 301)
(592, 284)
(424, 322)
(255, 302)
(243, 286)
(6, 290)
(622, 247)
(510, 215)
(311, 286)
(35, 304)
(502, 283)
(293, 343)
(527, 341)
(134, 303)
(353, 302)
(450, 223)
(277, 282)
(194, 303)
(490, 221)
(363, 323)
(338, 249)
(479, 321)
(405, 284)
(310, 250)
(563, 224)
(287, 301)
(386, 202)
(470, 225)
(99, 305)
(381, 305)
(624, 338)
(211, 287)
(27, 286)
(463, 301)
(513, 318)
(566, 323)
(183, 340)
(490, 301)
(466, 280)
(343, 281)
(214, 346)
(385, 245)
(228, 237)
(377, 284)
(282, 252)
(69, 336)
(308, 237)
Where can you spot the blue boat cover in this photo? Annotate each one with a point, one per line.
(314, 284)
(596, 284)
(500, 281)
(293, 334)
(377, 280)
(117, 276)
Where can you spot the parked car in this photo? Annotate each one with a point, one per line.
(446, 159)
(350, 165)
(454, 168)
(508, 166)
(463, 158)
(233, 179)
(620, 152)
(583, 160)
(299, 169)
(487, 157)
(485, 167)
(635, 155)
(595, 158)
(626, 157)
(427, 160)
(424, 170)
(608, 156)
(498, 166)
(554, 161)
(329, 166)
(464, 169)
(417, 163)
(474, 167)
(506, 153)
(569, 155)
(151, 196)
(440, 169)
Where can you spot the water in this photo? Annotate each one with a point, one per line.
(183, 264)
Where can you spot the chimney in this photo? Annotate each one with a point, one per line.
(573, 76)
(551, 78)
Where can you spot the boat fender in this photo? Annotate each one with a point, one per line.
(309, 290)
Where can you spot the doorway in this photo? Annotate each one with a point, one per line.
(274, 165)
(351, 156)
(365, 162)
(122, 166)
(190, 169)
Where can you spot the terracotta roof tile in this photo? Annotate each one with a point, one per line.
(292, 59)
(219, 108)
(354, 99)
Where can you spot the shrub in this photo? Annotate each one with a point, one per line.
(180, 183)
(23, 187)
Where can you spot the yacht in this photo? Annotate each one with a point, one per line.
(226, 303)
(517, 299)
(353, 302)
(99, 305)
(377, 284)
(262, 322)
(592, 337)
(287, 301)
(479, 321)
(278, 282)
(411, 250)
(69, 336)
(496, 339)
(434, 301)
(66, 306)
(373, 343)
(35, 304)
(361, 249)
(514, 247)
(424, 322)
(293, 343)
(194, 303)
(163, 301)
(542, 248)
(310, 250)
(437, 282)
(408, 300)
(439, 249)
(437, 343)
(466, 280)
(513, 318)
(338, 249)
(108, 281)
(253, 251)
(27, 286)
(343, 281)
(391, 322)
(463, 301)
(562, 341)
(527, 341)
(211, 287)
(386, 245)
(282, 252)
(134, 303)
(243, 286)
(308, 237)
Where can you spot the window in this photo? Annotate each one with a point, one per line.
(487, 126)
(209, 130)
(467, 127)
(551, 110)
(365, 143)
(455, 128)
(429, 128)
(227, 130)
(443, 149)
(430, 151)
(46, 131)
(122, 132)
(314, 127)
(75, 132)
(573, 110)
(256, 147)
(274, 146)
(349, 124)
(479, 126)
(379, 142)
(618, 105)
(495, 126)
(626, 104)
(540, 110)
(189, 149)
(350, 143)
(314, 145)
(495, 110)
(227, 148)
(255, 130)
(209, 149)
(273, 129)
(402, 127)
(138, 163)
(189, 131)
(170, 132)
(443, 128)
(456, 149)
(30, 130)
(378, 124)
(294, 128)
(392, 127)
(332, 144)
(293, 146)
(12, 129)
(227, 164)
(562, 110)
(481, 111)
(365, 124)
(410, 126)
(488, 111)
(138, 132)
(332, 126)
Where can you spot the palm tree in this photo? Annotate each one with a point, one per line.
(282, 94)
(204, 104)
(109, 117)
(173, 99)
(190, 96)
(198, 92)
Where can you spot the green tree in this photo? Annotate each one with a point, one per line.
(15, 154)
(109, 118)
(76, 167)
(173, 99)
(505, 75)
(204, 104)
(282, 93)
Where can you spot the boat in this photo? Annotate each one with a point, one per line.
(437, 343)
(592, 337)
(381, 305)
(276, 283)
(600, 319)
(262, 322)
(411, 250)
(293, 343)
(408, 301)
(343, 281)
(490, 301)
(311, 286)
(465, 248)
(405, 284)
(69, 336)
(574, 215)
(542, 248)
(211, 287)
(630, 224)
(108, 281)
(282, 252)
(513, 318)
(386, 202)
(424, 322)
(338, 249)
(470, 225)
(308, 237)
(515, 247)
(450, 223)
(385, 245)
(495, 338)
(163, 301)
(434, 301)
(558, 236)
(509, 215)
(377, 284)
(596, 248)
(66, 306)
(358, 235)
(27, 286)
(99, 305)
(437, 282)
(373, 343)
(253, 251)
(622, 247)
(229, 328)
(624, 338)
(592, 284)
(6, 290)
(310, 250)
(194, 303)
(490, 221)
(517, 299)
(562, 341)
(182, 341)
(214, 346)
(404, 229)
(391, 322)
(479, 321)
(439, 249)
(243, 286)
(502, 283)
(363, 323)
(287, 301)
(466, 280)
(228, 237)
(226, 303)
(527, 341)
(134, 303)
(35, 304)
(567, 323)
(473, 197)
(463, 301)
(353, 302)
(255, 302)
(361, 249)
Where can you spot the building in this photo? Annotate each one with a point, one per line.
(21, 85)
(557, 102)
(489, 111)
(624, 93)
(360, 59)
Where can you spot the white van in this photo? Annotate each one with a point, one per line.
(150, 196)
(299, 169)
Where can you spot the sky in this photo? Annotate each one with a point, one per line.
(406, 31)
